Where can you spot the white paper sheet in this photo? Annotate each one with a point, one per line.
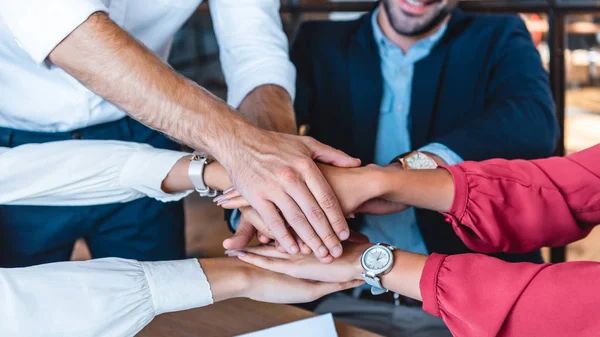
(319, 326)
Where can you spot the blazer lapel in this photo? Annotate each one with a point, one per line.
(428, 76)
(366, 89)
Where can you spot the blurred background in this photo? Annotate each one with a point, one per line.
(566, 33)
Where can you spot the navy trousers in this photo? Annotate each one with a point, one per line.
(144, 229)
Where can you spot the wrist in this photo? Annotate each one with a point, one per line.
(215, 176)
(178, 180)
(228, 277)
(357, 253)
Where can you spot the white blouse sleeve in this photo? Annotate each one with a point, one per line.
(84, 172)
(104, 297)
(253, 47)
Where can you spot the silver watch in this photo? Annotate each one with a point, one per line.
(196, 174)
(377, 261)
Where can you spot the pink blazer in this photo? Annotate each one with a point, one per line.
(518, 206)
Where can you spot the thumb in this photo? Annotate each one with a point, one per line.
(243, 235)
(328, 155)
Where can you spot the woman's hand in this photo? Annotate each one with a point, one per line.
(231, 278)
(343, 269)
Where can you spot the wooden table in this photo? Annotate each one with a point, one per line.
(234, 317)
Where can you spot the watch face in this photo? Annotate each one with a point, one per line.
(377, 258)
(420, 161)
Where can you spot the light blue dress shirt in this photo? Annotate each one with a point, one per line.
(393, 134)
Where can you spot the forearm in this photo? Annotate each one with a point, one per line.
(115, 66)
(270, 107)
(406, 274)
(429, 189)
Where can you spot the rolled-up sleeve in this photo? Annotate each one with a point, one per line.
(104, 297)
(253, 47)
(38, 26)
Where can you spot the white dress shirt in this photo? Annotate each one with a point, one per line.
(105, 297)
(39, 97)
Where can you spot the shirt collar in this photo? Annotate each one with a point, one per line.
(384, 44)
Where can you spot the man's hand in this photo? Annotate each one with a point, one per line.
(277, 172)
(357, 189)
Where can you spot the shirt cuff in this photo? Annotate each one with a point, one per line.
(461, 192)
(146, 170)
(429, 283)
(280, 73)
(177, 285)
(442, 151)
(42, 25)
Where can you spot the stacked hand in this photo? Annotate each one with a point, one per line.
(344, 269)
(357, 189)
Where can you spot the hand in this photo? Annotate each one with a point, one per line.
(357, 189)
(344, 269)
(251, 225)
(231, 278)
(267, 286)
(277, 171)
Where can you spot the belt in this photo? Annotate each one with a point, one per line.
(389, 297)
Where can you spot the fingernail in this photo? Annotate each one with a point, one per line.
(337, 251)
(229, 189)
(221, 202)
(231, 252)
(219, 198)
(294, 249)
(344, 235)
(352, 215)
(323, 251)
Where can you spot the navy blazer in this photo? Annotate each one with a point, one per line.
(482, 91)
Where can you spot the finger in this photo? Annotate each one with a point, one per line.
(304, 248)
(329, 155)
(243, 235)
(276, 226)
(267, 251)
(269, 263)
(298, 221)
(263, 238)
(329, 203)
(279, 247)
(319, 225)
(237, 202)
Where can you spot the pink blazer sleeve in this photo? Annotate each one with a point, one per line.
(516, 206)
(519, 206)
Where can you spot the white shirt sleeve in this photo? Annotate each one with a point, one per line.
(253, 47)
(104, 297)
(84, 172)
(38, 26)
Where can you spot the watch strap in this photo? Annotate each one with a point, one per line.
(196, 174)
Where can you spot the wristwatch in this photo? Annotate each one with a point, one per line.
(196, 174)
(377, 261)
(416, 160)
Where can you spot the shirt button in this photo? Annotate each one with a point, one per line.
(399, 107)
(77, 135)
